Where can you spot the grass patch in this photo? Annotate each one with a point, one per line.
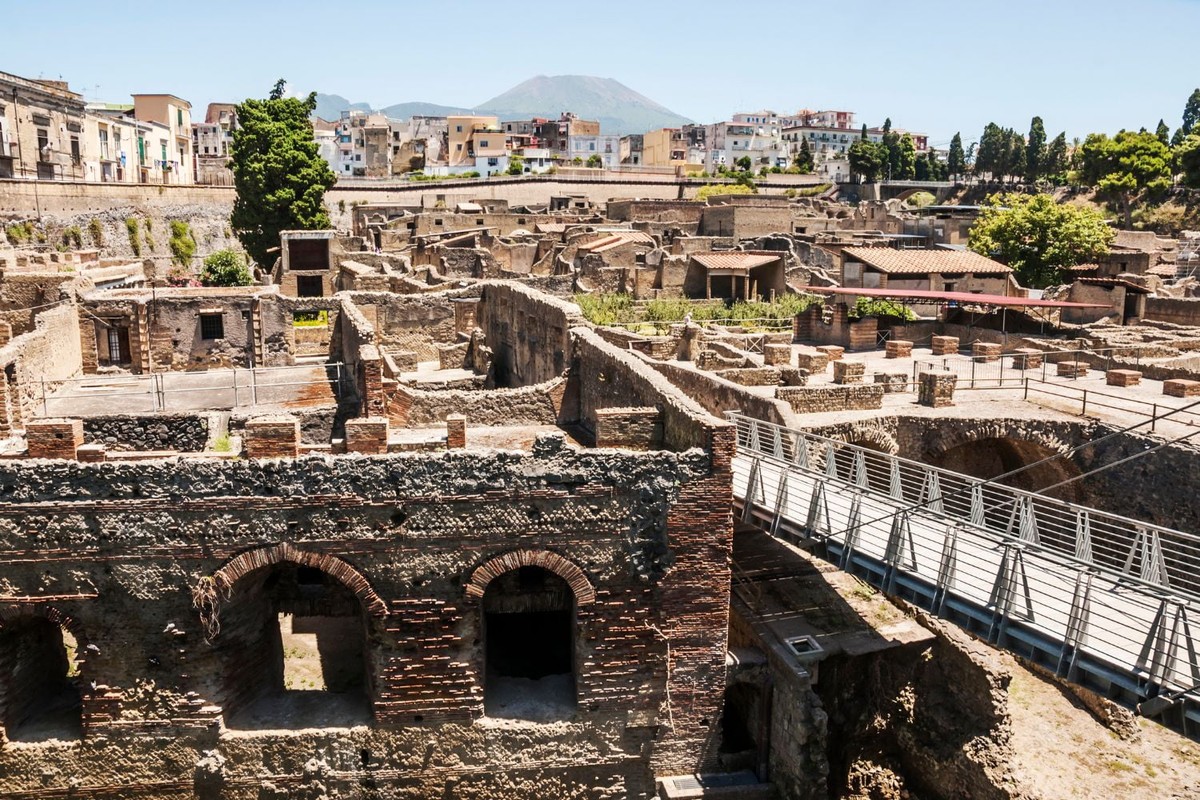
(222, 444)
(659, 315)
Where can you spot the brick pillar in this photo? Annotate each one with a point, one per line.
(272, 436)
(848, 371)
(777, 355)
(456, 431)
(368, 435)
(370, 382)
(936, 389)
(54, 438)
(5, 333)
(91, 453)
(944, 345)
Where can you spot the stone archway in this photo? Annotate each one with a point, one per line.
(40, 674)
(485, 573)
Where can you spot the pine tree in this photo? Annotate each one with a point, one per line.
(1055, 167)
(804, 158)
(957, 163)
(1163, 132)
(991, 145)
(278, 174)
(1035, 151)
(1191, 112)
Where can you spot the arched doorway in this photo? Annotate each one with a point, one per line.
(295, 645)
(39, 681)
(992, 457)
(529, 645)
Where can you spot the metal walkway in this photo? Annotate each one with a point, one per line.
(1102, 600)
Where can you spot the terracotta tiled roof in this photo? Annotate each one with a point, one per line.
(616, 240)
(735, 260)
(924, 262)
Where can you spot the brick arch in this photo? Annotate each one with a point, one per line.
(243, 564)
(869, 436)
(947, 438)
(15, 613)
(585, 593)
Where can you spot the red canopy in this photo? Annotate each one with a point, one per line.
(963, 298)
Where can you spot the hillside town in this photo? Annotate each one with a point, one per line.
(785, 456)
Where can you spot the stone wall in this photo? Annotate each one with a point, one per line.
(527, 405)
(49, 353)
(642, 537)
(815, 399)
(527, 331)
(186, 433)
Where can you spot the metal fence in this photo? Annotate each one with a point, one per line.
(1098, 597)
(189, 391)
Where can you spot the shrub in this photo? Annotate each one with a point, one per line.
(96, 232)
(710, 189)
(72, 236)
(225, 268)
(179, 276)
(182, 243)
(17, 233)
(868, 307)
(605, 309)
(150, 243)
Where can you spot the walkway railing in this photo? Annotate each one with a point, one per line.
(1101, 599)
(177, 391)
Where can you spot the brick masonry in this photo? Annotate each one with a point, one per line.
(275, 436)
(456, 431)
(848, 372)
(775, 355)
(936, 389)
(985, 351)
(54, 438)
(1181, 387)
(367, 435)
(630, 428)
(898, 348)
(815, 399)
(944, 345)
(892, 382)
(1027, 358)
(1122, 377)
(1071, 369)
(814, 362)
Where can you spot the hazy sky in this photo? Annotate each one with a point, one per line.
(932, 66)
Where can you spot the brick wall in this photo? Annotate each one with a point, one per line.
(815, 399)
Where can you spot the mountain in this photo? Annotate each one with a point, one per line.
(618, 108)
(406, 110)
(331, 106)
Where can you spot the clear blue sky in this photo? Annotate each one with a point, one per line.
(931, 66)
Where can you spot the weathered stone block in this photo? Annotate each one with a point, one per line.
(1181, 387)
(898, 348)
(273, 436)
(1122, 377)
(815, 363)
(815, 399)
(368, 435)
(1026, 358)
(1072, 369)
(833, 351)
(54, 438)
(936, 389)
(91, 453)
(892, 382)
(629, 428)
(848, 371)
(944, 345)
(456, 431)
(985, 351)
(775, 355)
(791, 376)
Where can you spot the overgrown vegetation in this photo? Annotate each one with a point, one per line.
(72, 237)
(20, 232)
(656, 316)
(225, 268)
(182, 243)
(135, 240)
(715, 189)
(96, 232)
(421, 176)
(875, 307)
(310, 318)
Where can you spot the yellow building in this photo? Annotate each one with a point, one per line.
(475, 143)
(175, 158)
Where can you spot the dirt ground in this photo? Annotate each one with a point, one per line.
(1063, 753)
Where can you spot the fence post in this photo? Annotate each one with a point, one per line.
(235, 388)
(161, 392)
(1083, 411)
(1153, 417)
(972, 373)
(1026, 389)
(45, 407)
(254, 386)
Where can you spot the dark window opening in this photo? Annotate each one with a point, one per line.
(310, 286)
(529, 647)
(39, 693)
(308, 254)
(212, 326)
(294, 644)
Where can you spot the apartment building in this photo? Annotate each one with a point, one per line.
(174, 114)
(476, 143)
(212, 141)
(41, 130)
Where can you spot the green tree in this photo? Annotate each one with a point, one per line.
(957, 160)
(1055, 166)
(279, 177)
(906, 166)
(595, 161)
(804, 157)
(863, 136)
(1191, 112)
(225, 268)
(744, 163)
(1038, 237)
(1035, 151)
(516, 165)
(1188, 154)
(1163, 133)
(1014, 154)
(989, 157)
(1126, 167)
(866, 160)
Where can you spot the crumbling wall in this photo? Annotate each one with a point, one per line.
(527, 405)
(39, 361)
(187, 433)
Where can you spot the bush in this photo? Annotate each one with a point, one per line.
(868, 307)
(606, 309)
(19, 232)
(72, 236)
(711, 189)
(182, 243)
(96, 232)
(225, 268)
(921, 199)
